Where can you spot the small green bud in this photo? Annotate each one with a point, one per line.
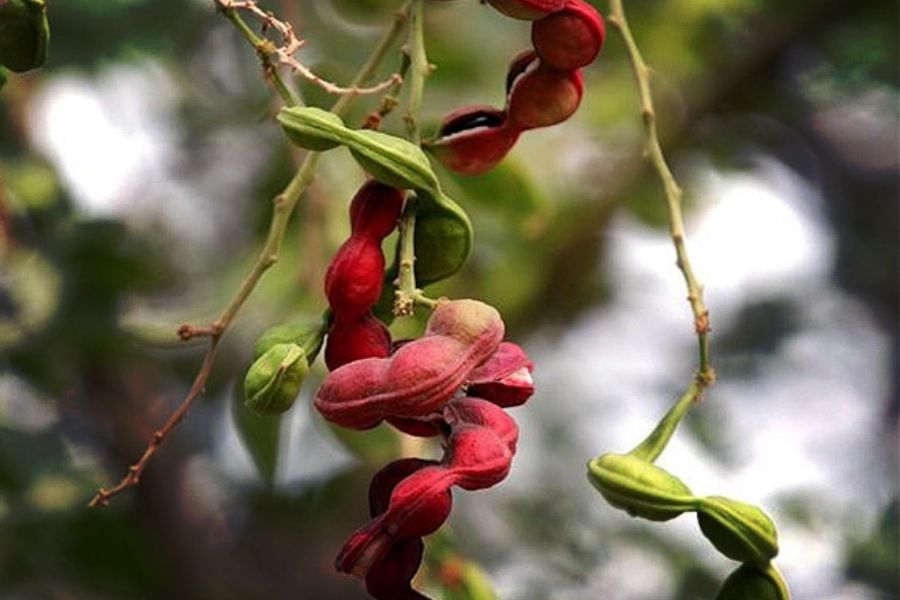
(24, 34)
(273, 381)
(306, 334)
(639, 487)
(748, 582)
(738, 530)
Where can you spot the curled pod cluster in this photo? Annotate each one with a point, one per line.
(428, 387)
(411, 498)
(544, 86)
(354, 278)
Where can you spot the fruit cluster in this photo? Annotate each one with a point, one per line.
(544, 85)
(428, 387)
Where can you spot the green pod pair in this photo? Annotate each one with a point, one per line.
(24, 34)
(749, 582)
(443, 234)
(283, 355)
(738, 530)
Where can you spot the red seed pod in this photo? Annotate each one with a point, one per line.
(390, 577)
(571, 38)
(542, 96)
(527, 10)
(526, 60)
(505, 379)
(421, 427)
(468, 411)
(481, 444)
(473, 139)
(418, 506)
(354, 277)
(421, 377)
(354, 339)
(375, 209)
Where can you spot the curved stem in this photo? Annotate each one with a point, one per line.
(654, 444)
(673, 191)
(284, 205)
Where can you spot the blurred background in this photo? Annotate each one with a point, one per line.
(136, 173)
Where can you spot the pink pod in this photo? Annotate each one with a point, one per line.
(542, 96)
(473, 139)
(570, 38)
(481, 443)
(505, 378)
(527, 10)
(421, 377)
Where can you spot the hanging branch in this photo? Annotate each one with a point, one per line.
(705, 373)
(283, 208)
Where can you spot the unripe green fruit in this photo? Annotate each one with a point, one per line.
(24, 34)
(639, 487)
(747, 582)
(273, 381)
(306, 334)
(738, 530)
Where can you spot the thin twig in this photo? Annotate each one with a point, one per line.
(407, 294)
(674, 194)
(284, 205)
(290, 44)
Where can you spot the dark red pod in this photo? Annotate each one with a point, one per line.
(542, 96)
(505, 379)
(527, 10)
(356, 338)
(570, 38)
(354, 277)
(473, 139)
(419, 504)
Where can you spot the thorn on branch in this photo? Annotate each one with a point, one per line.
(188, 332)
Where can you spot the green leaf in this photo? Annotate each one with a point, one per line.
(507, 188)
(24, 34)
(261, 436)
(375, 446)
(308, 334)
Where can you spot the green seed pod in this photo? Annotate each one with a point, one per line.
(639, 487)
(738, 530)
(306, 334)
(273, 381)
(443, 241)
(748, 582)
(24, 34)
(312, 128)
(443, 230)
